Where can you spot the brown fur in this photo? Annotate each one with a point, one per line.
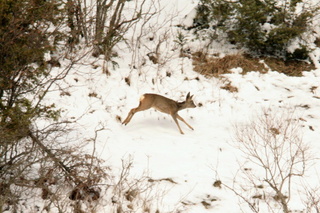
(164, 105)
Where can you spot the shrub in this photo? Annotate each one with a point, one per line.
(33, 156)
(274, 154)
(264, 28)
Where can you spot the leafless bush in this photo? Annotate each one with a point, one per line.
(154, 33)
(275, 154)
(49, 169)
(105, 23)
(113, 21)
(136, 194)
(312, 198)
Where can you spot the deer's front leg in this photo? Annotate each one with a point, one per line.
(174, 116)
(181, 119)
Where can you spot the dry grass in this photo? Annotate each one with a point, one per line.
(228, 86)
(210, 66)
(217, 66)
(290, 68)
(317, 42)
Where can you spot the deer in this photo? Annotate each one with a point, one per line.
(162, 104)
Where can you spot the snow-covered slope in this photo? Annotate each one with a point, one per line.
(183, 167)
(152, 142)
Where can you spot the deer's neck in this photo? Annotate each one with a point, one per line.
(181, 105)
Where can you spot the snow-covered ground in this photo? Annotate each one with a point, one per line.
(184, 167)
(198, 158)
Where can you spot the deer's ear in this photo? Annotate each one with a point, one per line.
(188, 95)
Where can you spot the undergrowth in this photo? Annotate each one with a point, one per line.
(214, 66)
(290, 68)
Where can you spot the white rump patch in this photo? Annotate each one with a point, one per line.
(142, 97)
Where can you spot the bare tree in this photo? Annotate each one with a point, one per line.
(76, 20)
(272, 143)
(112, 24)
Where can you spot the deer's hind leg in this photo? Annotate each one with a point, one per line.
(130, 115)
(142, 106)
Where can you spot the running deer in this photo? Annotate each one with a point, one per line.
(164, 105)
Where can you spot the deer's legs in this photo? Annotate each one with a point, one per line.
(175, 120)
(130, 115)
(141, 107)
(181, 119)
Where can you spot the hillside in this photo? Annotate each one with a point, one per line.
(153, 168)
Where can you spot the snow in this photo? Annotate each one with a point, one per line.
(195, 160)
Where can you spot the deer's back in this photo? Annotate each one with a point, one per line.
(161, 103)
